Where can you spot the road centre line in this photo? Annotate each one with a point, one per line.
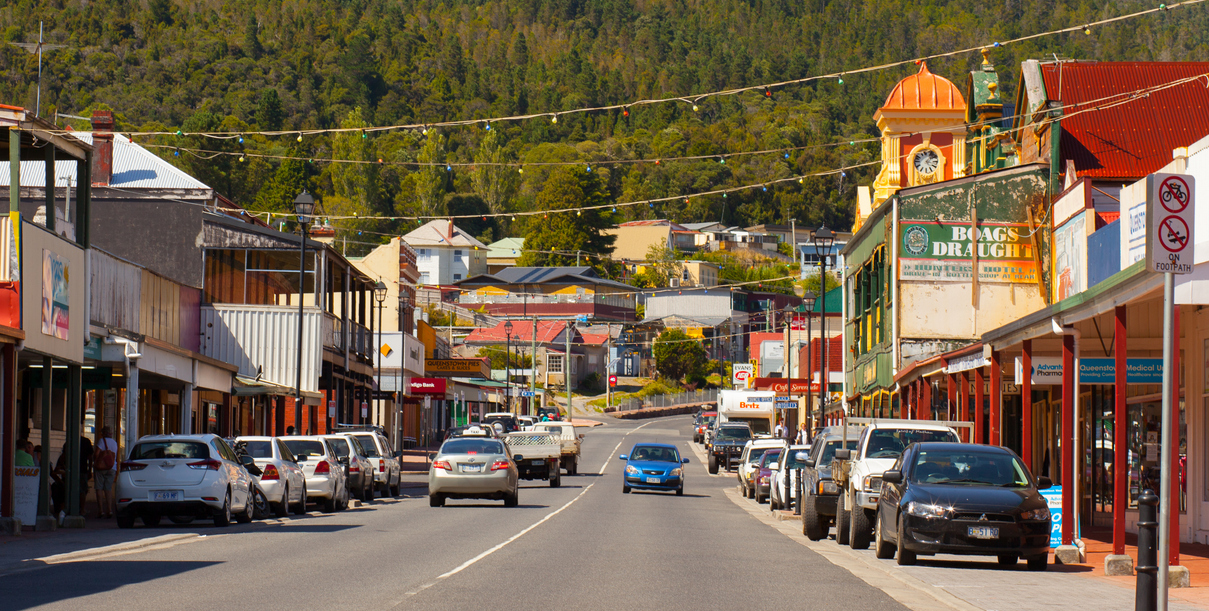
(472, 561)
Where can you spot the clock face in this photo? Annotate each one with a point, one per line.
(926, 161)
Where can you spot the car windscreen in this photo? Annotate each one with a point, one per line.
(367, 445)
(968, 468)
(304, 447)
(257, 448)
(728, 433)
(339, 446)
(472, 446)
(553, 430)
(890, 443)
(708, 420)
(151, 450)
(829, 451)
(655, 454)
(770, 456)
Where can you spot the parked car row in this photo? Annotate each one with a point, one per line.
(488, 462)
(187, 477)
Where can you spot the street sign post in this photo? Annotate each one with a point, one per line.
(741, 374)
(1170, 203)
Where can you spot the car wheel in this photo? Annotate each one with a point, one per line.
(575, 466)
(329, 504)
(812, 526)
(261, 508)
(625, 489)
(841, 520)
(680, 491)
(125, 521)
(281, 509)
(713, 464)
(300, 510)
(512, 500)
(906, 557)
(223, 517)
(436, 500)
(394, 490)
(760, 498)
(1038, 562)
(367, 493)
(182, 520)
(861, 528)
(557, 480)
(151, 521)
(881, 547)
(1008, 559)
(249, 506)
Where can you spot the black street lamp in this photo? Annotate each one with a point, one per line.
(380, 295)
(508, 365)
(304, 206)
(823, 238)
(808, 300)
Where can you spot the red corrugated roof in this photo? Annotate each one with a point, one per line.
(1134, 139)
(594, 339)
(522, 332)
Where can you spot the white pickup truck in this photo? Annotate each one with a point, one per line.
(565, 433)
(859, 471)
(536, 455)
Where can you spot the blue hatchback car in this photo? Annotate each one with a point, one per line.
(654, 466)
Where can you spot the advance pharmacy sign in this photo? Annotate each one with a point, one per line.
(934, 251)
(1048, 370)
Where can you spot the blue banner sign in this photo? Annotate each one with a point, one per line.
(1138, 371)
(1053, 498)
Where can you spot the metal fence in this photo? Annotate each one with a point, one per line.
(671, 400)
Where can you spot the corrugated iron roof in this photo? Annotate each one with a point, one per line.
(1133, 139)
(134, 167)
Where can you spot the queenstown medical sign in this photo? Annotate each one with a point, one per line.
(1048, 370)
(946, 251)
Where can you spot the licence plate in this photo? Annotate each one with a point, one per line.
(166, 495)
(983, 532)
(652, 480)
(538, 462)
(472, 468)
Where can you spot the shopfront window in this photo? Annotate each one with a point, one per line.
(1145, 448)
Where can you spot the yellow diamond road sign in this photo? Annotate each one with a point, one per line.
(386, 350)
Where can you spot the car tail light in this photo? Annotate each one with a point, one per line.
(441, 464)
(269, 473)
(354, 467)
(323, 468)
(381, 466)
(499, 464)
(212, 464)
(130, 465)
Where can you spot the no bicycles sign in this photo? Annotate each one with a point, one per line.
(1169, 222)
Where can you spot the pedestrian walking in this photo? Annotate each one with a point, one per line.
(803, 435)
(105, 464)
(779, 431)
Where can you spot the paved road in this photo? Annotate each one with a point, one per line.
(584, 545)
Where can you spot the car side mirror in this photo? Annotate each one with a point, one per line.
(809, 463)
(774, 466)
(684, 461)
(517, 458)
(892, 476)
(1044, 483)
(801, 456)
(344, 461)
(246, 460)
(843, 454)
(300, 458)
(399, 454)
(623, 456)
(581, 435)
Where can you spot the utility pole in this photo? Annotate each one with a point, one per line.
(533, 371)
(567, 369)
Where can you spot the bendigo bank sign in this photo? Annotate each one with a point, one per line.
(946, 251)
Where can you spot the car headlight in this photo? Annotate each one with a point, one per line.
(677, 472)
(873, 483)
(763, 480)
(1040, 515)
(828, 487)
(632, 470)
(925, 510)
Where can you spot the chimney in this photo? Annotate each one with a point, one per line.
(102, 143)
(449, 231)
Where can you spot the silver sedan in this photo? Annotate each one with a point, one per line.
(472, 468)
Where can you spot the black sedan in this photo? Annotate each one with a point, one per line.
(959, 498)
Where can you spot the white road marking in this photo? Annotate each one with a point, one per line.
(472, 561)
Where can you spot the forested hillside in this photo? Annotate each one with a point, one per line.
(210, 65)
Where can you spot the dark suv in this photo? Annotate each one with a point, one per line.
(727, 445)
(819, 491)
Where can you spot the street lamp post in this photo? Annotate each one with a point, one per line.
(808, 299)
(823, 238)
(508, 364)
(304, 206)
(380, 296)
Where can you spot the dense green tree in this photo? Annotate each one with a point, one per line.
(494, 179)
(678, 356)
(554, 238)
(432, 180)
(269, 114)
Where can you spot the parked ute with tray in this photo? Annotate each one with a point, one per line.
(565, 433)
(726, 445)
(859, 472)
(536, 454)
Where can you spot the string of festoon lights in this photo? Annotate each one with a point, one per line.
(692, 100)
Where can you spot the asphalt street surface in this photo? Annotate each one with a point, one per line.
(583, 545)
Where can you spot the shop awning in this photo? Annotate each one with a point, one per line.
(250, 387)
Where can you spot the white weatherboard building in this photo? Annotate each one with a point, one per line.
(445, 254)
